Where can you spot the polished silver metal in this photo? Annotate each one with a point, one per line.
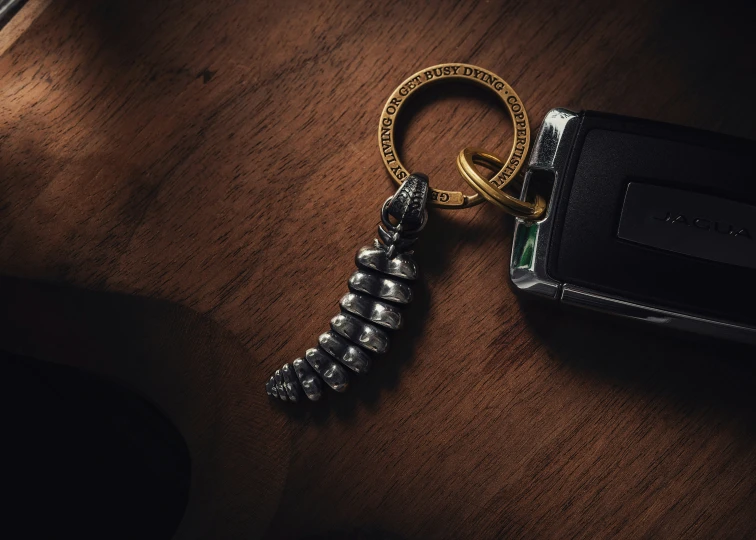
(371, 308)
(279, 385)
(290, 384)
(530, 248)
(355, 358)
(270, 387)
(361, 333)
(308, 380)
(381, 287)
(380, 313)
(329, 370)
(377, 258)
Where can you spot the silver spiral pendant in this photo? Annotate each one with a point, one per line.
(378, 289)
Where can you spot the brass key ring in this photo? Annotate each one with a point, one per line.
(490, 189)
(510, 204)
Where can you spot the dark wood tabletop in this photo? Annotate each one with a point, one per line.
(183, 186)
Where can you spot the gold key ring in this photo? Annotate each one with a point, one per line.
(510, 204)
(464, 72)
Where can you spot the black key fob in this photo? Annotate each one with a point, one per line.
(645, 220)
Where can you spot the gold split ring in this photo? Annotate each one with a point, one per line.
(466, 161)
(490, 189)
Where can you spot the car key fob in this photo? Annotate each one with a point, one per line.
(645, 220)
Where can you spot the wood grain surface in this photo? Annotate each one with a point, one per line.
(183, 185)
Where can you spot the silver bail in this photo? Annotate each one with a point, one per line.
(407, 206)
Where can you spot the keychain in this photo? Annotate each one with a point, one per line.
(645, 220)
(377, 290)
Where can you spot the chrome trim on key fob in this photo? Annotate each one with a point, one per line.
(530, 243)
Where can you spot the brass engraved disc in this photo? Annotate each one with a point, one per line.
(458, 72)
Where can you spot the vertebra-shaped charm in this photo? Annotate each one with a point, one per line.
(371, 308)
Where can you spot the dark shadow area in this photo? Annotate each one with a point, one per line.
(362, 533)
(698, 372)
(109, 399)
(87, 457)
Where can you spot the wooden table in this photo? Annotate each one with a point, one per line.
(184, 185)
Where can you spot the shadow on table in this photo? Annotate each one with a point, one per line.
(110, 399)
(700, 372)
(90, 459)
